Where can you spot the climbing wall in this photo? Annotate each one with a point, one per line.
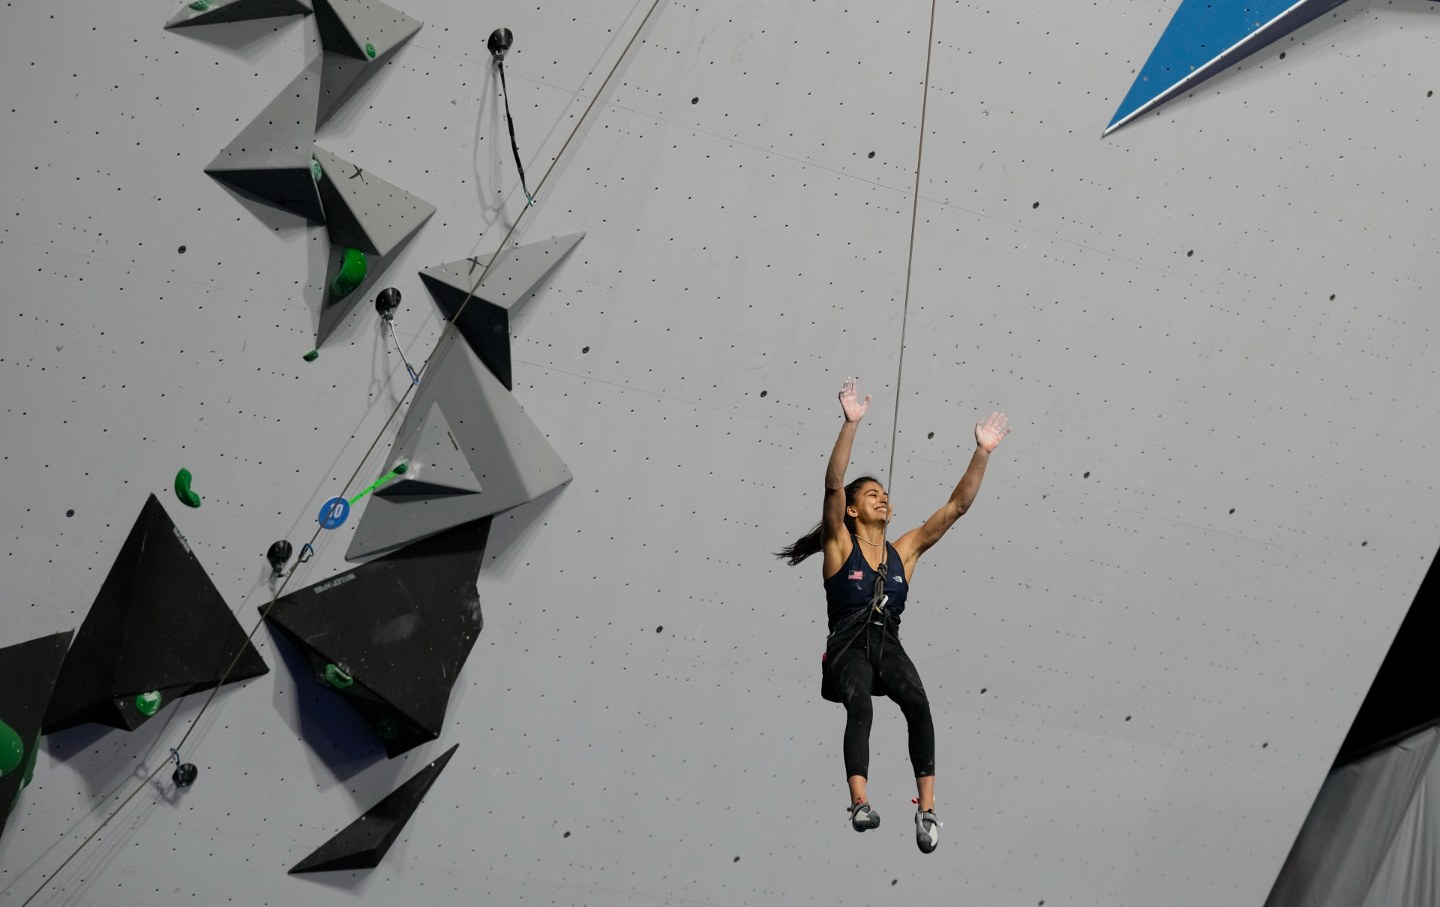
(1212, 329)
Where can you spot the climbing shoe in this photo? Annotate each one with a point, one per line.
(927, 830)
(862, 817)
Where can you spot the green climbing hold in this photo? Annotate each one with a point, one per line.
(182, 489)
(317, 173)
(387, 729)
(12, 750)
(401, 468)
(338, 677)
(200, 5)
(312, 355)
(352, 273)
(369, 50)
(148, 703)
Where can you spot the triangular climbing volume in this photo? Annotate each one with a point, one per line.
(1205, 37)
(509, 284)
(358, 36)
(434, 462)
(271, 157)
(508, 455)
(363, 210)
(367, 218)
(27, 677)
(363, 843)
(391, 636)
(216, 12)
(158, 625)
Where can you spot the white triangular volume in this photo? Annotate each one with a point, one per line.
(434, 461)
(362, 210)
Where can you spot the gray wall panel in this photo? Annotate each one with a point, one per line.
(1136, 691)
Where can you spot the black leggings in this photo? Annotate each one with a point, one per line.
(877, 655)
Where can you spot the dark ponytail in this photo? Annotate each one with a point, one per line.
(812, 541)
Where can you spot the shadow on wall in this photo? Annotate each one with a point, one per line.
(342, 743)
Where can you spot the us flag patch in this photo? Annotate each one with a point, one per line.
(858, 574)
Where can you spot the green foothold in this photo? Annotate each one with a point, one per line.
(352, 273)
(338, 677)
(12, 750)
(200, 5)
(369, 50)
(317, 173)
(182, 489)
(312, 355)
(148, 703)
(387, 729)
(401, 468)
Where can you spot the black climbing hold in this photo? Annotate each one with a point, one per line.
(69, 513)
(185, 775)
(386, 302)
(659, 628)
(278, 554)
(182, 250)
(1087, 475)
(499, 43)
(871, 154)
(763, 393)
(931, 435)
(694, 100)
(1036, 205)
(585, 350)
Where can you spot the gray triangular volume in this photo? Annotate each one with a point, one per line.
(339, 79)
(271, 156)
(363, 843)
(512, 279)
(364, 29)
(484, 317)
(436, 465)
(363, 211)
(215, 12)
(358, 36)
(507, 453)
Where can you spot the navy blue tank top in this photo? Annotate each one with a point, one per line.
(849, 590)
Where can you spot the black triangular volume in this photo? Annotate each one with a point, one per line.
(218, 12)
(158, 623)
(27, 677)
(484, 325)
(401, 628)
(293, 188)
(363, 843)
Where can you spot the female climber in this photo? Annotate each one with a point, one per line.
(866, 580)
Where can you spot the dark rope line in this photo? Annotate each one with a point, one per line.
(910, 255)
(447, 335)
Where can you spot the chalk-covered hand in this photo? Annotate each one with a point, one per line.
(990, 432)
(853, 407)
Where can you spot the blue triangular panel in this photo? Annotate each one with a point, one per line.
(1206, 36)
